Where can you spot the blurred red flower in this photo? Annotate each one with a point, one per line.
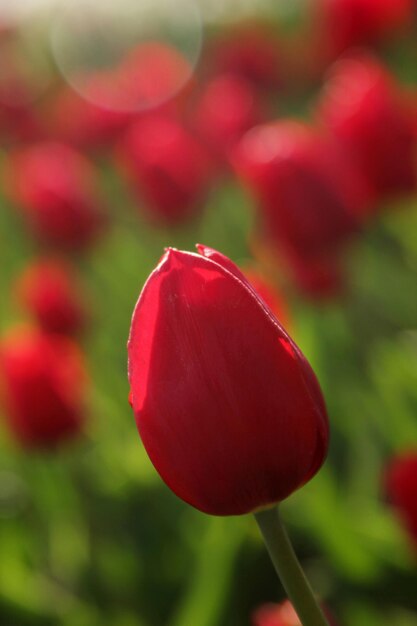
(20, 88)
(229, 410)
(401, 488)
(84, 124)
(48, 290)
(310, 199)
(151, 75)
(228, 106)
(154, 74)
(251, 51)
(43, 381)
(56, 188)
(347, 23)
(168, 168)
(365, 110)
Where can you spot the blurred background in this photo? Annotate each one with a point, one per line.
(283, 134)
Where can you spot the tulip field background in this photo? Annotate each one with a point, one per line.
(90, 535)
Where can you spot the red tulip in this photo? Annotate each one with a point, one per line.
(229, 410)
(82, 123)
(309, 196)
(249, 51)
(347, 23)
(401, 488)
(49, 291)
(43, 387)
(310, 199)
(364, 109)
(20, 87)
(167, 167)
(228, 107)
(154, 73)
(55, 186)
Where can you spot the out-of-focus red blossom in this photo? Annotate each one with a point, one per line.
(319, 278)
(228, 408)
(153, 74)
(365, 110)
(19, 119)
(311, 200)
(56, 188)
(168, 168)
(19, 123)
(48, 290)
(347, 23)
(150, 76)
(43, 384)
(228, 107)
(401, 488)
(250, 51)
(82, 123)
(280, 615)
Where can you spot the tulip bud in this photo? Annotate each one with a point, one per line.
(228, 409)
(349, 23)
(49, 291)
(310, 199)
(308, 195)
(42, 379)
(167, 166)
(401, 488)
(55, 186)
(81, 123)
(228, 107)
(251, 52)
(364, 109)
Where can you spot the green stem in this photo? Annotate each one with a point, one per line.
(288, 568)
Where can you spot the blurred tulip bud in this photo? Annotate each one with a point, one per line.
(310, 199)
(228, 409)
(153, 75)
(21, 84)
(348, 23)
(168, 168)
(321, 277)
(281, 615)
(56, 189)
(401, 488)
(43, 380)
(228, 107)
(48, 290)
(250, 51)
(364, 109)
(81, 123)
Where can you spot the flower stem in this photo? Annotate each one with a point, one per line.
(289, 569)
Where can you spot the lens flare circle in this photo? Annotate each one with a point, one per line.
(126, 55)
